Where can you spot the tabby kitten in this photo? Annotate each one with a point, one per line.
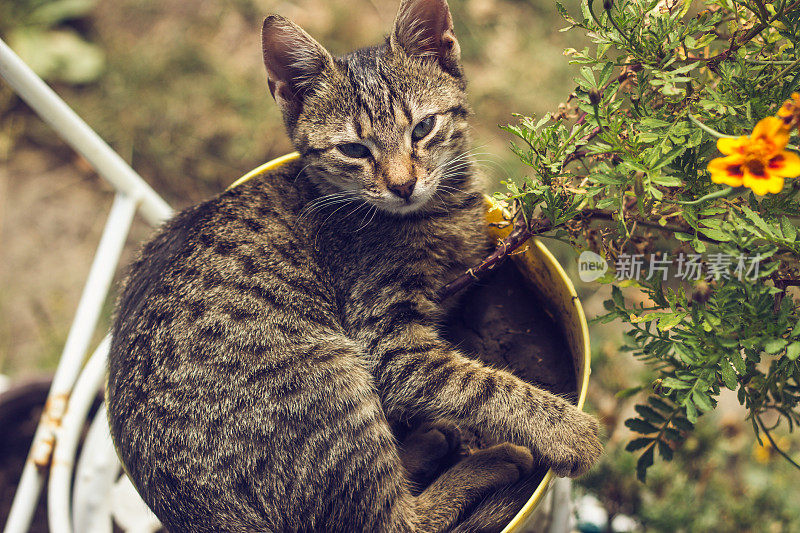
(263, 338)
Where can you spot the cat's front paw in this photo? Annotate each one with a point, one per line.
(574, 445)
(498, 465)
(429, 448)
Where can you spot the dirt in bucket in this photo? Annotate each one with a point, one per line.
(505, 323)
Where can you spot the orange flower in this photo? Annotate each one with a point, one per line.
(758, 161)
(790, 112)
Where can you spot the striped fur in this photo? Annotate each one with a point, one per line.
(263, 338)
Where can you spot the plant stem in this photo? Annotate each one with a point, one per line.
(523, 231)
(519, 235)
(774, 445)
(710, 130)
(782, 73)
(722, 193)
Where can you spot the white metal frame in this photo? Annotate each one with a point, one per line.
(75, 385)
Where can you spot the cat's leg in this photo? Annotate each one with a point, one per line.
(426, 450)
(419, 373)
(468, 482)
(359, 482)
(495, 511)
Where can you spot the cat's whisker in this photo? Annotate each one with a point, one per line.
(374, 210)
(319, 207)
(354, 211)
(324, 201)
(301, 171)
(452, 191)
(321, 226)
(441, 200)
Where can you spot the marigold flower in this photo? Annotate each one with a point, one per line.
(757, 161)
(789, 112)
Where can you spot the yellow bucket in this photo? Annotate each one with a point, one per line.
(542, 271)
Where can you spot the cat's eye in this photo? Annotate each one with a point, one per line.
(423, 128)
(354, 150)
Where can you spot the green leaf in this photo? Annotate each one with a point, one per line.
(664, 450)
(638, 444)
(672, 434)
(668, 321)
(705, 40)
(588, 75)
(702, 401)
(686, 353)
(649, 317)
(60, 55)
(691, 412)
(793, 351)
(650, 414)
(698, 245)
(774, 346)
(52, 13)
(728, 375)
(645, 461)
(758, 221)
(789, 231)
(659, 404)
(627, 393)
(666, 180)
(616, 296)
(563, 12)
(641, 426)
(668, 157)
(717, 235)
(735, 357)
(677, 384)
(651, 123)
(682, 423)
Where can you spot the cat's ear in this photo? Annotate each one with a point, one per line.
(294, 61)
(424, 28)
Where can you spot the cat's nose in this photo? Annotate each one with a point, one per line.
(403, 190)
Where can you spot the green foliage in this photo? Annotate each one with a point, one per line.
(621, 169)
(37, 30)
(719, 480)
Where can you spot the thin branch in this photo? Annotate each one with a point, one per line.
(599, 214)
(783, 73)
(774, 445)
(518, 236)
(713, 62)
(626, 73)
(522, 232)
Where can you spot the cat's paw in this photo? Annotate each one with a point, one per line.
(498, 465)
(574, 445)
(430, 447)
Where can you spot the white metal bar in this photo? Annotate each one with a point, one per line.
(80, 136)
(134, 190)
(94, 294)
(560, 506)
(95, 475)
(67, 436)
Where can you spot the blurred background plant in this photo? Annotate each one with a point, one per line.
(46, 35)
(179, 91)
